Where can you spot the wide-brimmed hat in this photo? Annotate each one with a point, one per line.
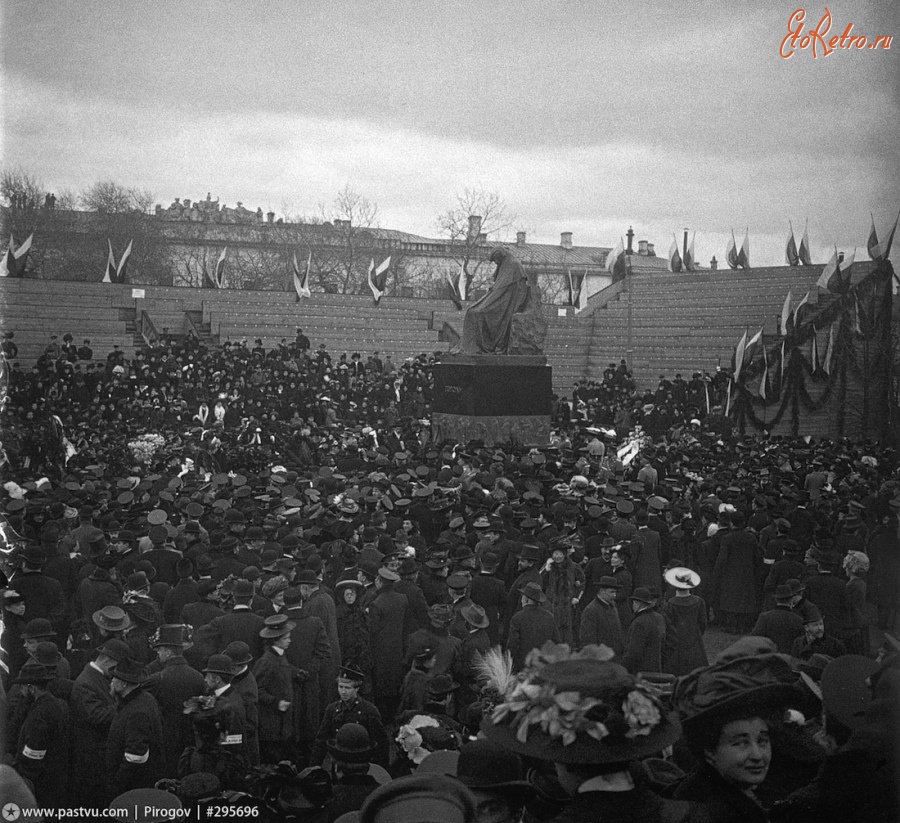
(133, 804)
(352, 744)
(35, 673)
(277, 625)
(483, 764)
(475, 616)
(682, 577)
(749, 675)
(533, 592)
(112, 619)
(420, 797)
(593, 710)
(846, 693)
(608, 582)
(129, 670)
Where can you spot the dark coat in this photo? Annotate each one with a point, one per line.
(829, 593)
(724, 802)
(804, 649)
(640, 805)
(530, 628)
(42, 753)
(164, 561)
(387, 616)
(883, 579)
(488, 591)
(353, 635)
(350, 792)
(685, 623)
(309, 651)
(646, 563)
(562, 583)
(359, 711)
(782, 625)
(600, 624)
(735, 574)
(91, 711)
(182, 593)
(644, 642)
(446, 647)
(321, 605)
(417, 616)
(275, 682)
(171, 684)
(94, 594)
(134, 748)
(238, 624)
(244, 685)
(43, 595)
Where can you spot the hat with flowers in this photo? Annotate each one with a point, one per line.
(580, 707)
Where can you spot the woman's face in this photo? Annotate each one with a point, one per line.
(349, 595)
(743, 753)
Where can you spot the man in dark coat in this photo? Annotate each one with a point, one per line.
(134, 748)
(814, 640)
(781, 625)
(182, 593)
(243, 683)
(737, 569)
(92, 709)
(44, 596)
(319, 603)
(238, 624)
(531, 626)
(646, 635)
(310, 652)
(42, 750)
(387, 620)
(646, 563)
(529, 571)
(351, 708)
(197, 615)
(164, 556)
(473, 646)
(97, 591)
(600, 620)
(218, 674)
(417, 616)
(487, 590)
(171, 682)
(436, 637)
(829, 592)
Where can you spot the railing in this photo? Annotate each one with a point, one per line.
(147, 329)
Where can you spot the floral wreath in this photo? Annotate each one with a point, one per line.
(532, 702)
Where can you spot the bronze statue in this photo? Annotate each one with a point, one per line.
(508, 319)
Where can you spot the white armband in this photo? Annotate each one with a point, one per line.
(137, 758)
(34, 754)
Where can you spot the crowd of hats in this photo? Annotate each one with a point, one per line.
(174, 389)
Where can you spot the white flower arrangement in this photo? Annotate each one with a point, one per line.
(144, 447)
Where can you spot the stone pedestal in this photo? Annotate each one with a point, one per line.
(496, 399)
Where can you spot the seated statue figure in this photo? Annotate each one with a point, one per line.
(508, 319)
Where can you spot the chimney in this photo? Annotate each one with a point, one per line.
(684, 256)
(482, 239)
(629, 234)
(474, 226)
(840, 257)
(565, 239)
(642, 247)
(650, 250)
(520, 238)
(270, 216)
(714, 264)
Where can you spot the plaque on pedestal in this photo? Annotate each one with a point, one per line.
(494, 398)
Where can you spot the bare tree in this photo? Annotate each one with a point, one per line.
(477, 215)
(344, 262)
(109, 197)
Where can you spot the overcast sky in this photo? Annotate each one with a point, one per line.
(584, 116)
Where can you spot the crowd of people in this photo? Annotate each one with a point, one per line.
(251, 577)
